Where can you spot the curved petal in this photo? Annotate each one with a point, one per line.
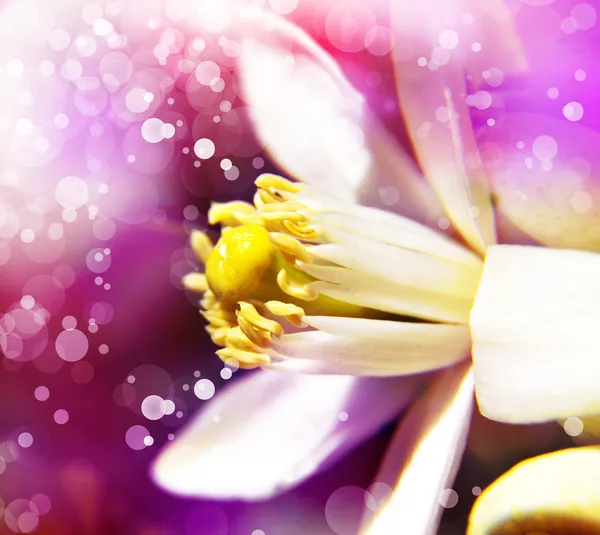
(315, 124)
(546, 178)
(367, 347)
(534, 327)
(432, 60)
(270, 431)
(554, 493)
(424, 456)
(541, 151)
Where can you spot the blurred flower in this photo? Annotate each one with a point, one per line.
(553, 493)
(383, 294)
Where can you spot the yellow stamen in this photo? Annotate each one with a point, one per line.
(250, 313)
(201, 245)
(274, 182)
(238, 261)
(299, 291)
(196, 282)
(290, 246)
(228, 214)
(292, 313)
(247, 359)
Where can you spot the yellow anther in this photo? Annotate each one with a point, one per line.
(290, 246)
(250, 313)
(299, 291)
(238, 261)
(201, 245)
(296, 217)
(196, 282)
(219, 320)
(228, 214)
(301, 231)
(274, 182)
(247, 359)
(292, 313)
(237, 339)
(219, 336)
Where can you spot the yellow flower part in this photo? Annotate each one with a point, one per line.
(553, 494)
(300, 280)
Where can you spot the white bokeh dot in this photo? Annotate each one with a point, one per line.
(573, 426)
(204, 148)
(25, 440)
(204, 389)
(448, 498)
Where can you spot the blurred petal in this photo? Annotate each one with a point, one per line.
(315, 124)
(542, 148)
(432, 95)
(270, 431)
(424, 456)
(546, 178)
(535, 334)
(554, 493)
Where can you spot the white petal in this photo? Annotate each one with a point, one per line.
(315, 124)
(402, 266)
(394, 230)
(372, 292)
(270, 431)
(424, 456)
(433, 100)
(555, 493)
(535, 334)
(375, 347)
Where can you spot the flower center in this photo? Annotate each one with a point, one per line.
(235, 266)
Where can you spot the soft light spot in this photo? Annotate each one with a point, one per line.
(448, 39)
(152, 130)
(24, 127)
(204, 389)
(137, 100)
(59, 39)
(581, 202)
(476, 47)
(71, 192)
(72, 345)
(580, 75)
(584, 16)
(102, 27)
(154, 407)
(25, 440)
(481, 100)
(15, 67)
(204, 148)
(283, 7)
(71, 70)
(61, 416)
(226, 374)
(573, 426)
(135, 437)
(379, 41)
(27, 235)
(448, 498)
(545, 147)
(573, 111)
(41, 393)
(207, 72)
(476, 491)
(553, 93)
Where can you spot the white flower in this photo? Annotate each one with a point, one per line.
(310, 280)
